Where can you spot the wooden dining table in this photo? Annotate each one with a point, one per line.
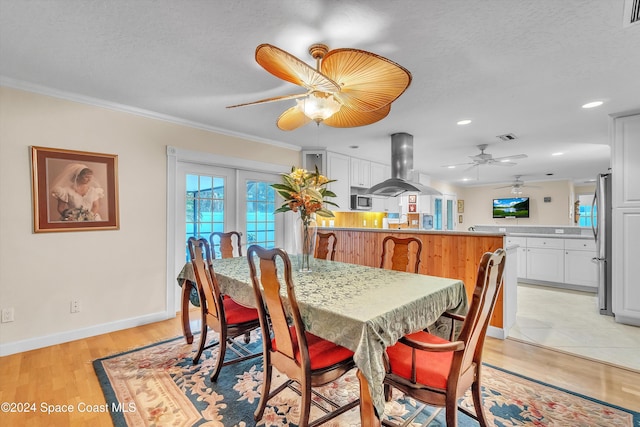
(364, 309)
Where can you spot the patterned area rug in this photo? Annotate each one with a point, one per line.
(158, 385)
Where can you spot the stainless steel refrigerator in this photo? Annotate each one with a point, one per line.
(601, 225)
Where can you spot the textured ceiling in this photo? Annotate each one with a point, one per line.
(511, 66)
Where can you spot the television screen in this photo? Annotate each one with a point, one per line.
(511, 207)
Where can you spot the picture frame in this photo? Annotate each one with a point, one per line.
(74, 190)
(413, 198)
(460, 221)
(412, 207)
(460, 206)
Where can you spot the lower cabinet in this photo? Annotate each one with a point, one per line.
(545, 264)
(557, 260)
(579, 266)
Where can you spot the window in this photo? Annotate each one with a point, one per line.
(585, 211)
(204, 205)
(260, 219)
(437, 218)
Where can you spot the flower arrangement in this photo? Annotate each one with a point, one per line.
(305, 192)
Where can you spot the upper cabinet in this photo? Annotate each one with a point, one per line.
(352, 175)
(626, 161)
(338, 166)
(360, 173)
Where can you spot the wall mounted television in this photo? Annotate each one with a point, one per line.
(511, 207)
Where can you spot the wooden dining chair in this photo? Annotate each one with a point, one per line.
(229, 243)
(326, 246)
(301, 356)
(222, 314)
(438, 372)
(399, 252)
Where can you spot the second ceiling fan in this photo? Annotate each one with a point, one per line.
(488, 159)
(348, 87)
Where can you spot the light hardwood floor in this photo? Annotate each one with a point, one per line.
(63, 374)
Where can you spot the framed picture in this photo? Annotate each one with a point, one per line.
(412, 207)
(412, 198)
(460, 219)
(460, 206)
(74, 190)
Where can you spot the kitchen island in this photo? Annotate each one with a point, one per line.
(452, 254)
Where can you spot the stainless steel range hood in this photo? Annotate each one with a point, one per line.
(401, 165)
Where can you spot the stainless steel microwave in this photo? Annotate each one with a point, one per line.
(360, 202)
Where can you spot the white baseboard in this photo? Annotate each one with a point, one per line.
(494, 332)
(76, 334)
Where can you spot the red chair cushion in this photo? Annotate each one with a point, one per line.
(236, 313)
(432, 368)
(322, 353)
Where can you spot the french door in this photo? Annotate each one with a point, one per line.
(215, 198)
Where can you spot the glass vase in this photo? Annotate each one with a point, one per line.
(305, 243)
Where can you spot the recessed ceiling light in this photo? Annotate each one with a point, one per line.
(557, 154)
(592, 104)
(451, 167)
(464, 122)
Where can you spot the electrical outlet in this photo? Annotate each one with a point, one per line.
(7, 315)
(502, 229)
(75, 306)
(559, 231)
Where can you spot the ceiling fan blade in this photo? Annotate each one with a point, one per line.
(475, 165)
(506, 186)
(500, 163)
(349, 118)
(292, 119)
(367, 81)
(458, 164)
(287, 67)
(274, 99)
(516, 156)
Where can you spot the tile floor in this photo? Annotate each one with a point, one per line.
(569, 321)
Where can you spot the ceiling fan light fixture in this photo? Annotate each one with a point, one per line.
(319, 106)
(516, 190)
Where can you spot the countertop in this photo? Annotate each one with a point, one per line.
(418, 231)
(553, 236)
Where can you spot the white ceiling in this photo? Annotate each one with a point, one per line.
(511, 66)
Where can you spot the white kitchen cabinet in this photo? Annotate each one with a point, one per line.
(360, 173)
(521, 254)
(545, 259)
(625, 161)
(579, 267)
(338, 169)
(379, 173)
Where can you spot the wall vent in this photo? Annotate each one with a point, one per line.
(509, 136)
(631, 13)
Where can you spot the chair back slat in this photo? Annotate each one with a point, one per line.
(205, 276)
(326, 246)
(271, 289)
(397, 253)
(485, 294)
(268, 291)
(229, 243)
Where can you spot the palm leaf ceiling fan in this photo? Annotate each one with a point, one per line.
(487, 159)
(348, 87)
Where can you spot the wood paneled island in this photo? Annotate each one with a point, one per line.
(453, 254)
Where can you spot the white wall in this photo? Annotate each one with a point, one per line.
(119, 276)
(478, 208)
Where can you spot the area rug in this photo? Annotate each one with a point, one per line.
(158, 385)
